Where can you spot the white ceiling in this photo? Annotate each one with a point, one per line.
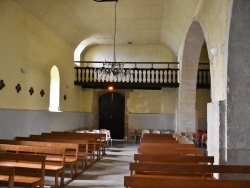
(138, 21)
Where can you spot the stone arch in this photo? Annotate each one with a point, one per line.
(186, 115)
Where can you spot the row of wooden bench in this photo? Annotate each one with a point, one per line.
(161, 163)
(23, 169)
(60, 148)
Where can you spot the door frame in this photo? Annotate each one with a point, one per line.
(112, 114)
(95, 108)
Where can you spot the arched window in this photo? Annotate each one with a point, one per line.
(54, 105)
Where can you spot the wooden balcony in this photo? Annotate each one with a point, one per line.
(141, 78)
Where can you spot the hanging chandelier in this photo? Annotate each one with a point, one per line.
(113, 71)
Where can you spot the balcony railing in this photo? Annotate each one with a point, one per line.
(203, 79)
(165, 75)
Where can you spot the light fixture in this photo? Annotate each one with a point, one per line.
(214, 51)
(110, 88)
(23, 69)
(105, 0)
(112, 71)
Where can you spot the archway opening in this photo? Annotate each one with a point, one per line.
(54, 103)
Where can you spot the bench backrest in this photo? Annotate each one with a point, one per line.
(173, 158)
(148, 135)
(39, 160)
(146, 182)
(159, 141)
(188, 168)
(98, 136)
(58, 152)
(69, 135)
(83, 144)
(166, 145)
(68, 146)
(172, 151)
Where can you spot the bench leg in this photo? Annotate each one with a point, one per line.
(76, 167)
(56, 180)
(62, 179)
(71, 171)
(84, 162)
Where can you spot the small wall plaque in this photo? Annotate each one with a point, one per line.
(18, 88)
(42, 93)
(31, 91)
(2, 84)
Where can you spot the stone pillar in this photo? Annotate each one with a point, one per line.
(216, 131)
(187, 116)
(238, 82)
(187, 120)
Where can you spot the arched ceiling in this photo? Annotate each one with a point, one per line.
(138, 21)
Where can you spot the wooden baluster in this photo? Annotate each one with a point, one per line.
(154, 75)
(202, 78)
(89, 75)
(198, 77)
(208, 77)
(167, 76)
(172, 77)
(160, 76)
(81, 76)
(77, 78)
(93, 75)
(176, 76)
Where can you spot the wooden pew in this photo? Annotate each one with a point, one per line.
(56, 167)
(158, 136)
(101, 142)
(82, 146)
(159, 141)
(29, 169)
(172, 151)
(7, 176)
(71, 150)
(163, 182)
(165, 145)
(185, 170)
(98, 144)
(142, 158)
(148, 136)
(93, 145)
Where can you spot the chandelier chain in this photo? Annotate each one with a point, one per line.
(113, 71)
(115, 34)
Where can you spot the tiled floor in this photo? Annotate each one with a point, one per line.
(110, 170)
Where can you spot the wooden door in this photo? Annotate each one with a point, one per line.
(111, 114)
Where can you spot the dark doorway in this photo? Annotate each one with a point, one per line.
(111, 114)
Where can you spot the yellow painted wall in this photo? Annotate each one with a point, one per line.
(169, 100)
(154, 101)
(202, 99)
(130, 53)
(87, 100)
(164, 101)
(144, 101)
(26, 42)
